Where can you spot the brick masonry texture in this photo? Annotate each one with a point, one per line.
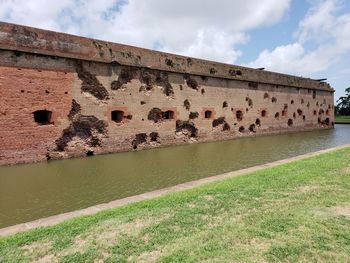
(64, 96)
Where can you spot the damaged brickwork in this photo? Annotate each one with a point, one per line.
(64, 96)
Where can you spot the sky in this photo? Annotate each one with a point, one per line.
(309, 38)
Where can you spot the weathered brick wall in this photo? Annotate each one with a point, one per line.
(23, 91)
(100, 107)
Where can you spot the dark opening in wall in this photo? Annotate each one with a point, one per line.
(326, 121)
(226, 127)
(154, 136)
(187, 104)
(42, 117)
(266, 95)
(285, 106)
(274, 100)
(218, 121)
(239, 115)
(208, 114)
(225, 104)
(187, 128)
(117, 116)
(314, 94)
(292, 102)
(327, 112)
(290, 122)
(304, 117)
(294, 115)
(257, 122)
(284, 113)
(300, 112)
(277, 115)
(142, 102)
(317, 104)
(193, 115)
(90, 153)
(252, 128)
(263, 113)
(168, 115)
(241, 129)
(191, 82)
(321, 112)
(202, 91)
(302, 101)
(140, 138)
(308, 105)
(155, 115)
(315, 112)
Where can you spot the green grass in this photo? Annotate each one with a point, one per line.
(342, 119)
(298, 212)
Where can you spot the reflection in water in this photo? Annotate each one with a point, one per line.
(32, 191)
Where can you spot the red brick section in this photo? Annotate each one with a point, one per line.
(23, 91)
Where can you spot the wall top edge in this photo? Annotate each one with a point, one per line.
(44, 42)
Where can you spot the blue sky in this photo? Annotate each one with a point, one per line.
(308, 38)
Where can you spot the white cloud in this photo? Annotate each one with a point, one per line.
(321, 25)
(200, 28)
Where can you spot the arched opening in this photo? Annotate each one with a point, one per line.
(42, 117)
(208, 114)
(168, 115)
(117, 116)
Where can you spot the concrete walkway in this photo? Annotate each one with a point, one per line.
(52, 220)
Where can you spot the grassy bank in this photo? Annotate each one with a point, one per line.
(342, 119)
(298, 212)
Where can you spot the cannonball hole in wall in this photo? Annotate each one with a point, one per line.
(263, 113)
(290, 122)
(294, 115)
(300, 112)
(239, 115)
(274, 100)
(284, 113)
(208, 114)
(257, 122)
(304, 117)
(266, 95)
(42, 117)
(315, 112)
(277, 115)
(117, 116)
(168, 115)
(327, 112)
(241, 129)
(292, 102)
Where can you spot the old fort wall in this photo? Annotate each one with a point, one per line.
(64, 96)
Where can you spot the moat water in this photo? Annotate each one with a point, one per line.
(32, 191)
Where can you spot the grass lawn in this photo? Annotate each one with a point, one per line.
(298, 212)
(342, 119)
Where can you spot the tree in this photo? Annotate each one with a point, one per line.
(343, 106)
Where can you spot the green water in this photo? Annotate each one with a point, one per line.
(32, 191)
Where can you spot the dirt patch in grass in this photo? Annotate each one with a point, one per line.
(341, 210)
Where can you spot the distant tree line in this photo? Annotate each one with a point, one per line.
(343, 106)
